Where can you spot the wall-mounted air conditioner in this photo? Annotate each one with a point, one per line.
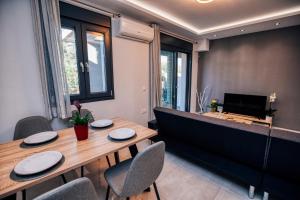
(129, 29)
(202, 45)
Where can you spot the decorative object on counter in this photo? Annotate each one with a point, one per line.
(80, 122)
(201, 99)
(220, 108)
(213, 105)
(270, 112)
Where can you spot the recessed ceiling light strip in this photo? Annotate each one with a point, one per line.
(204, 1)
(255, 20)
(143, 6)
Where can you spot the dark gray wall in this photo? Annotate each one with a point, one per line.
(257, 63)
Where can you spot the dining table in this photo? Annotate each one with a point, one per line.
(76, 153)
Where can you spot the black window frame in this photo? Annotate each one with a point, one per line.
(175, 45)
(81, 21)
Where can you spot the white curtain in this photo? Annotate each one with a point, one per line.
(46, 18)
(155, 72)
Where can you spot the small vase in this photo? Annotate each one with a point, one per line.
(81, 131)
(269, 119)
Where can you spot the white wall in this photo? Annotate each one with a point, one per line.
(131, 75)
(20, 87)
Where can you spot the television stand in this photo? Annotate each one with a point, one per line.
(238, 118)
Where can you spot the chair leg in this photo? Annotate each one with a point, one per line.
(63, 178)
(251, 192)
(156, 191)
(107, 159)
(107, 192)
(266, 196)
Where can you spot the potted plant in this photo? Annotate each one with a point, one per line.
(213, 105)
(270, 112)
(80, 122)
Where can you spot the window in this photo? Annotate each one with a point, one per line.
(175, 73)
(86, 38)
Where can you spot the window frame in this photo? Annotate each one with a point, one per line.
(81, 21)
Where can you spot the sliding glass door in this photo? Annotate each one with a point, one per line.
(181, 81)
(175, 76)
(167, 78)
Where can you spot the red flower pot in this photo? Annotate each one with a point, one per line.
(82, 132)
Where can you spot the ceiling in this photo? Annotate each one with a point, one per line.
(220, 18)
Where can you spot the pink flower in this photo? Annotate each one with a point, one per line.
(77, 105)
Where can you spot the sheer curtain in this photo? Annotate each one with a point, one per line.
(155, 73)
(46, 18)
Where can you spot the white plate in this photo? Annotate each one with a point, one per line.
(40, 137)
(38, 162)
(101, 123)
(122, 134)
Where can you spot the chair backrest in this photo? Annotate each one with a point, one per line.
(31, 125)
(144, 169)
(84, 112)
(79, 189)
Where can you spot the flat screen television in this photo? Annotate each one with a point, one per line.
(252, 105)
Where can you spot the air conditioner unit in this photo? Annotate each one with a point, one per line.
(202, 45)
(129, 29)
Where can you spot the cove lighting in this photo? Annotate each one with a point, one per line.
(166, 16)
(204, 1)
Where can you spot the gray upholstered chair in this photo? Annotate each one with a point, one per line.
(31, 125)
(79, 189)
(133, 176)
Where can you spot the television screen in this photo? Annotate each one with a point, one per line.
(251, 105)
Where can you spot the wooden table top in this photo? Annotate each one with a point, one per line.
(76, 153)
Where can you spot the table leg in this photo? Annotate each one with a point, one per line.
(63, 178)
(108, 162)
(117, 157)
(133, 150)
(82, 171)
(24, 194)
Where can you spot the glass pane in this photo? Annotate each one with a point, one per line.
(181, 80)
(96, 59)
(167, 78)
(70, 60)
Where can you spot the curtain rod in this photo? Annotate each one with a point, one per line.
(89, 6)
(177, 36)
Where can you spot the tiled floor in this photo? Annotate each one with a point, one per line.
(179, 180)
